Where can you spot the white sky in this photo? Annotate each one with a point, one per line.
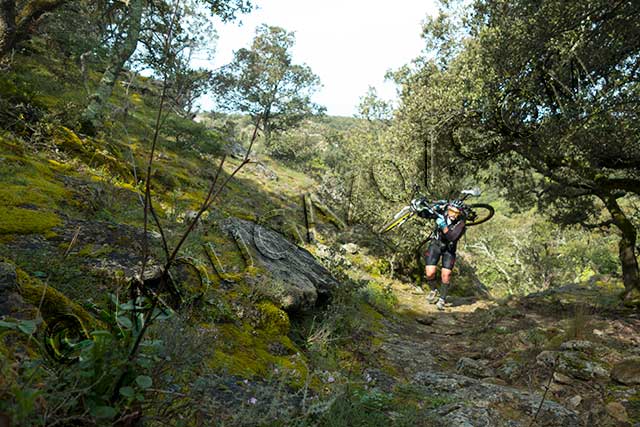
(349, 44)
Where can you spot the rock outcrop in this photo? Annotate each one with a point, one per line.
(11, 302)
(296, 281)
(480, 404)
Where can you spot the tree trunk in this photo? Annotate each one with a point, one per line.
(266, 126)
(267, 134)
(91, 118)
(626, 246)
(7, 26)
(16, 26)
(31, 13)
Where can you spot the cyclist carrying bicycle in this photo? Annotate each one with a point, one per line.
(450, 227)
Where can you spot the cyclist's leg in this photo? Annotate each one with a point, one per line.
(432, 255)
(448, 261)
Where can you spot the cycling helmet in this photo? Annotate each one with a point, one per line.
(457, 204)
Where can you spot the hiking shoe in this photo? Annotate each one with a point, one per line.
(440, 304)
(417, 290)
(433, 296)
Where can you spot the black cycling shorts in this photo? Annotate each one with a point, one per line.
(437, 249)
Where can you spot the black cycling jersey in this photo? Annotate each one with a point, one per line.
(444, 244)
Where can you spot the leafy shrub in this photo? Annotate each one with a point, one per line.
(188, 134)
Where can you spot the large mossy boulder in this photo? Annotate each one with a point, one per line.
(23, 296)
(294, 279)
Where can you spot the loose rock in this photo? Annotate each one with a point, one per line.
(351, 248)
(627, 372)
(617, 411)
(578, 345)
(574, 364)
(575, 401)
(562, 378)
(509, 370)
(474, 368)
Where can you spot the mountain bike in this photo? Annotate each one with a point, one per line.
(473, 214)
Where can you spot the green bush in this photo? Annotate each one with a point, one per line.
(188, 134)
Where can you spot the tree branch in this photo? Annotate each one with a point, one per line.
(31, 13)
(626, 184)
(605, 224)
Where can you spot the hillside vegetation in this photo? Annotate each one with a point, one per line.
(130, 296)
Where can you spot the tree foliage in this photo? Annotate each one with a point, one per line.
(550, 91)
(263, 81)
(170, 31)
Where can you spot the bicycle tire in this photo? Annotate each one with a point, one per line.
(483, 212)
(400, 218)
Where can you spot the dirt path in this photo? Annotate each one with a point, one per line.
(420, 337)
(503, 345)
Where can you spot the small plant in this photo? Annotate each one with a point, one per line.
(579, 322)
(380, 297)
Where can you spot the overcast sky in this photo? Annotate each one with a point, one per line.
(350, 44)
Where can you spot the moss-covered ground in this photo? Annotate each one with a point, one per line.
(71, 216)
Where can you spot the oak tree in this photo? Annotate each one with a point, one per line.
(263, 81)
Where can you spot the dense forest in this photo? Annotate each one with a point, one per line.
(164, 265)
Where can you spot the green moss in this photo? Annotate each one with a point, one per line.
(52, 303)
(380, 297)
(94, 251)
(633, 408)
(245, 352)
(67, 140)
(26, 221)
(28, 182)
(272, 319)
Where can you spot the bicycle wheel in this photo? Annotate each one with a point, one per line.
(398, 219)
(479, 213)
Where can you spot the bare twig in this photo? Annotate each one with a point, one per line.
(154, 143)
(72, 243)
(165, 246)
(544, 396)
(211, 197)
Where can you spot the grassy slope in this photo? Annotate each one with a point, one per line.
(50, 175)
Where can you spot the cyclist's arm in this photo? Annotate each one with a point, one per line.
(453, 233)
(439, 206)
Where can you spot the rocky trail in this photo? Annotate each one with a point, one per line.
(480, 363)
(562, 357)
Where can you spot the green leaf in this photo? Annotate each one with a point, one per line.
(9, 325)
(144, 363)
(104, 412)
(27, 326)
(125, 322)
(144, 381)
(164, 314)
(127, 391)
(40, 274)
(129, 306)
